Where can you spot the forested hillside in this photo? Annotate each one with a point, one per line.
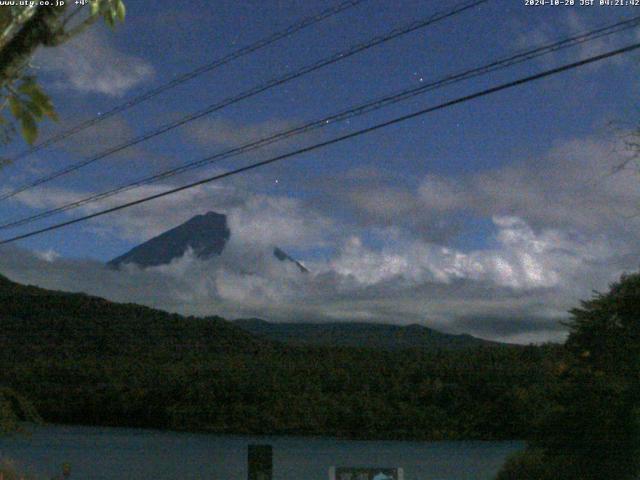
(82, 359)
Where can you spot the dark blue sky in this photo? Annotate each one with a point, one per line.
(174, 37)
(481, 145)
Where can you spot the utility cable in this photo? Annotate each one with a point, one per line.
(352, 112)
(393, 34)
(185, 77)
(317, 146)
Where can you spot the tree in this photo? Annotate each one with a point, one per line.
(14, 409)
(594, 434)
(24, 29)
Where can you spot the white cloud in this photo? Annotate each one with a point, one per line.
(143, 221)
(253, 218)
(218, 132)
(407, 281)
(555, 240)
(48, 256)
(89, 64)
(572, 188)
(522, 259)
(278, 221)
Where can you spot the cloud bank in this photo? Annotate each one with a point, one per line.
(558, 227)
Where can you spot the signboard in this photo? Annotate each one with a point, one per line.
(365, 473)
(260, 459)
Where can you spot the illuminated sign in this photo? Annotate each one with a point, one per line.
(365, 473)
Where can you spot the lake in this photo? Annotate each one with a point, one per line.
(137, 454)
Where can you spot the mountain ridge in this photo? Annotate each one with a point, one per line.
(103, 326)
(383, 336)
(16, 301)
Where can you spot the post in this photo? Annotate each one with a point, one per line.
(260, 462)
(332, 473)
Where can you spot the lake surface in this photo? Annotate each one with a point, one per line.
(136, 454)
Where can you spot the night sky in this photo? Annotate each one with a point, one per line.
(493, 217)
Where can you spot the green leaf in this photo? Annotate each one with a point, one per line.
(41, 98)
(28, 85)
(121, 10)
(95, 7)
(16, 106)
(110, 17)
(40, 103)
(52, 114)
(35, 109)
(29, 128)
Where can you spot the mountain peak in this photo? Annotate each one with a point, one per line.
(282, 256)
(206, 234)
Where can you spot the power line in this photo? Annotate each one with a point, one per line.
(393, 34)
(317, 146)
(376, 104)
(185, 77)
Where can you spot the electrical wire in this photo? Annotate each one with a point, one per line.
(317, 146)
(185, 77)
(352, 112)
(393, 34)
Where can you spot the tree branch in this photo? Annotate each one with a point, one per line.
(39, 30)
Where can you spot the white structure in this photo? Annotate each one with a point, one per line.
(365, 473)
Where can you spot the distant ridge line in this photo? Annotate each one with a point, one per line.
(380, 336)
